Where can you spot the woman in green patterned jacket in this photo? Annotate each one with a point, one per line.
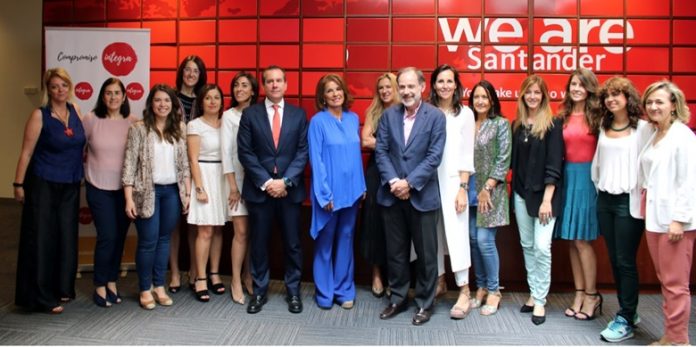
(492, 148)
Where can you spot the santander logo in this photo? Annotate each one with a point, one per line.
(135, 91)
(83, 90)
(119, 58)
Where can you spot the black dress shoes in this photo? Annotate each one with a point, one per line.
(256, 303)
(526, 308)
(538, 320)
(422, 316)
(393, 309)
(294, 303)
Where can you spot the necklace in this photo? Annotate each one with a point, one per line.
(620, 129)
(526, 131)
(66, 122)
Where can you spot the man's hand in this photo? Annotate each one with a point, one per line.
(401, 189)
(276, 188)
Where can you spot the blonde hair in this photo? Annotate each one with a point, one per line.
(676, 97)
(376, 107)
(60, 73)
(544, 117)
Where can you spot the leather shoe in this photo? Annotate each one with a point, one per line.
(256, 303)
(422, 316)
(538, 320)
(393, 309)
(294, 304)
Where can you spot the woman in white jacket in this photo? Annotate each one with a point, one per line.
(453, 173)
(667, 186)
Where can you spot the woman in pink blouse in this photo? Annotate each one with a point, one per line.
(106, 129)
(578, 224)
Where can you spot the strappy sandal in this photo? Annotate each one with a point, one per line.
(489, 310)
(202, 295)
(597, 306)
(570, 309)
(217, 288)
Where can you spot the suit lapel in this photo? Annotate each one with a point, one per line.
(262, 117)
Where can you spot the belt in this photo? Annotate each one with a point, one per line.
(210, 161)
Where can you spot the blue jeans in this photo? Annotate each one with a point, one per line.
(484, 254)
(109, 212)
(535, 239)
(153, 237)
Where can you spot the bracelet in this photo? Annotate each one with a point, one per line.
(17, 185)
(464, 185)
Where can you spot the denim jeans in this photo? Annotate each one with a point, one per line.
(110, 220)
(153, 237)
(535, 239)
(484, 254)
(622, 234)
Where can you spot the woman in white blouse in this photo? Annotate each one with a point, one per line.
(244, 92)
(614, 168)
(453, 175)
(667, 182)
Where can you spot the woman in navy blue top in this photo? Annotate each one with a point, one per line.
(47, 182)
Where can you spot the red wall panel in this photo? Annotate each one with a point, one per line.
(362, 7)
(237, 30)
(413, 30)
(367, 57)
(323, 29)
(237, 57)
(161, 31)
(237, 8)
(197, 8)
(322, 7)
(153, 8)
(323, 56)
(459, 7)
(368, 30)
(199, 31)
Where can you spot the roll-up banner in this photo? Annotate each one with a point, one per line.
(91, 55)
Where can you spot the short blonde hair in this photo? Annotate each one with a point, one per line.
(60, 73)
(676, 97)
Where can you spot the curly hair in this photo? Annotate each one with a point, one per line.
(592, 108)
(622, 85)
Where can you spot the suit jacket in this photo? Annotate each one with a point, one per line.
(671, 182)
(544, 166)
(138, 167)
(258, 154)
(416, 161)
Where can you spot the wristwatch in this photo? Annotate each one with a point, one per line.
(464, 185)
(199, 190)
(287, 181)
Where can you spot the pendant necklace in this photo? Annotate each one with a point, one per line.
(68, 131)
(526, 131)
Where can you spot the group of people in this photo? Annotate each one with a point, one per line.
(608, 163)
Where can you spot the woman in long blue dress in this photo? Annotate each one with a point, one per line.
(337, 186)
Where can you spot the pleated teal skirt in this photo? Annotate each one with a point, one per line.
(579, 221)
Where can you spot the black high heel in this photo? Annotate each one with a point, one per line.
(217, 288)
(571, 308)
(113, 297)
(598, 306)
(101, 302)
(202, 295)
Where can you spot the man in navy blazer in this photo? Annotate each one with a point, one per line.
(272, 147)
(410, 141)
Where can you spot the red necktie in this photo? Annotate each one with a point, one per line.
(276, 125)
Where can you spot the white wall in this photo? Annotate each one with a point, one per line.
(20, 67)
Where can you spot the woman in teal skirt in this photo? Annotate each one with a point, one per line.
(580, 110)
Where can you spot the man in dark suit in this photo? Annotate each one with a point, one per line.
(272, 144)
(410, 141)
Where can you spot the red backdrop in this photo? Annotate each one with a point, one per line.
(363, 38)
(644, 40)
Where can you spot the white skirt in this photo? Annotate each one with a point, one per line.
(213, 212)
